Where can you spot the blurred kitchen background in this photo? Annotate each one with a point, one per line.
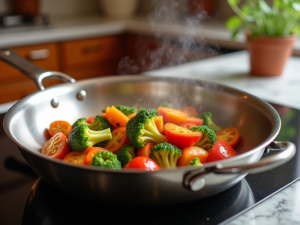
(95, 38)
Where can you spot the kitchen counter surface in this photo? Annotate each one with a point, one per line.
(60, 29)
(233, 70)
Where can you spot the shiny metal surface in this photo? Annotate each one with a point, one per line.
(288, 151)
(26, 124)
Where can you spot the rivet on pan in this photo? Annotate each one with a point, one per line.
(6, 52)
(81, 95)
(54, 103)
(197, 184)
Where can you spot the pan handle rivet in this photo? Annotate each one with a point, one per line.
(54, 102)
(81, 95)
(197, 184)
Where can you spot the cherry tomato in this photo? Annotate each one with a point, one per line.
(91, 119)
(60, 126)
(181, 137)
(189, 153)
(172, 115)
(142, 163)
(194, 120)
(90, 152)
(145, 151)
(187, 125)
(220, 150)
(190, 111)
(57, 146)
(74, 157)
(231, 135)
(119, 138)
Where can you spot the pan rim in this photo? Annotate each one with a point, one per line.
(266, 142)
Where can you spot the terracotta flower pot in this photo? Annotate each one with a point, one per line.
(268, 55)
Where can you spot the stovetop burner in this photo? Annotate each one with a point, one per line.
(17, 20)
(27, 199)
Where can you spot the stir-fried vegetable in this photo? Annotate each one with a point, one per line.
(144, 139)
(142, 129)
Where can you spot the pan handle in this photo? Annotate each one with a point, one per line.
(196, 181)
(34, 72)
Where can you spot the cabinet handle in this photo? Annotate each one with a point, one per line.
(39, 54)
(91, 49)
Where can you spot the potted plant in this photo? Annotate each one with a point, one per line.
(271, 32)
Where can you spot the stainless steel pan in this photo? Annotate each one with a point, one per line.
(27, 121)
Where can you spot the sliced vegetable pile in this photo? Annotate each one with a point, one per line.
(137, 138)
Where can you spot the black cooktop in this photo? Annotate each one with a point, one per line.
(27, 199)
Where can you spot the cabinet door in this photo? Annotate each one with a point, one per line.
(13, 84)
(149, 53)
(92, 51)
(43, 55)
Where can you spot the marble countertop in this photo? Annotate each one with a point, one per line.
(232, 70)
(283, 207)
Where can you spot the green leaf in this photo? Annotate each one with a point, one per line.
(264, 6)
(296, 30)
(233, 23)
(233, 2)
(235, 33)
(296, 6)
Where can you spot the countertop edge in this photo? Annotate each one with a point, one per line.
(62, 29)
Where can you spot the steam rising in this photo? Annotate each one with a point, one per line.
(173, 49)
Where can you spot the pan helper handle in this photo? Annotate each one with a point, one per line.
(34, 72)
(195, 180)
(286, 151)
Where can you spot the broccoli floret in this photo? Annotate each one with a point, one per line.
(155, 111)
(166, 104)
(99, 123)
(208, 121)
(127, 110)
(166, 155)
(81, 137)
(79, 122)
(101, 144)
(141, 129)
(207, 139)
(106, 159)
(140, 108)
(195, 162)
(125, 154)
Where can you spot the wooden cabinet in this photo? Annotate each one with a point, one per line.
(13, 84)
(100, 56)
(80, 59)
(92, 57)
(150, 53)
